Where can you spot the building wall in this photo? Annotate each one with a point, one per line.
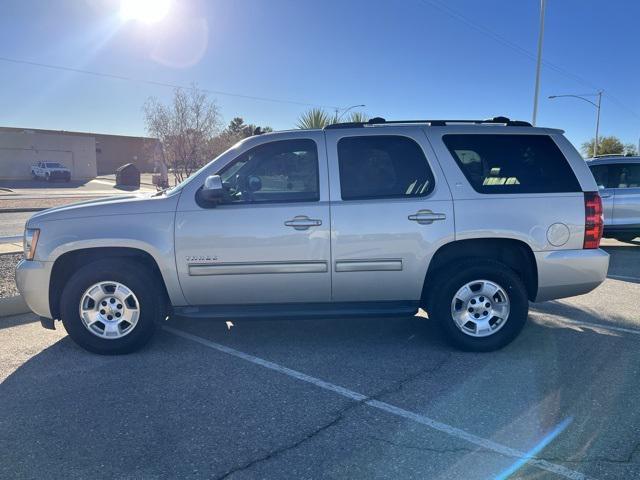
(113, 151)
(20, 149)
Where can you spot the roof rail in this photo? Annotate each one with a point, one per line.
(433, 123)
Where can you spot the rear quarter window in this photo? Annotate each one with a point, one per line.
(506, 163)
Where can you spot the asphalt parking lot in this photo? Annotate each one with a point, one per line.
(364, 398)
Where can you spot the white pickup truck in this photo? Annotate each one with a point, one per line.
(50, 171)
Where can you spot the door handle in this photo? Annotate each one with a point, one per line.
(302, 222)
(426, 217)
(606, 195)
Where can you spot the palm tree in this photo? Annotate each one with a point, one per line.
(314, 118)
(358, 117)
(319, 118)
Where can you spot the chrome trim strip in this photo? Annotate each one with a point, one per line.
(383, 265)
(252, 268)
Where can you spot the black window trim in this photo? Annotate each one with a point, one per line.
(388, 197)
(272, 202)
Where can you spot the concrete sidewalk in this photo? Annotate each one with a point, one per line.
(10, 248)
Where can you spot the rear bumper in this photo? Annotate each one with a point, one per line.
(565, 273)
(32, 279)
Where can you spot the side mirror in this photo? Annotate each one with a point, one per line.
(212, 191)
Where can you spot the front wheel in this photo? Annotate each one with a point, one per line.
(111, 306)
(481, 305)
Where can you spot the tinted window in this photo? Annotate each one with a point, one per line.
(282, 171)
(384, 166)
(627, 175)
(601, 175)
(512, 163)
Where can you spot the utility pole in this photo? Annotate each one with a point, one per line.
(543, 4)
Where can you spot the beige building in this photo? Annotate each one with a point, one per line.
(86, 154)
(21, 149)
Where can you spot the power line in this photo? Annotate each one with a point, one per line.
(508, 43)
(156, 83)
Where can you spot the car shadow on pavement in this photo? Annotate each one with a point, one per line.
(624, 261)
(15, 321)
(570, 312)
(169, 406)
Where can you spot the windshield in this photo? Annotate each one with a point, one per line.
(53, 165)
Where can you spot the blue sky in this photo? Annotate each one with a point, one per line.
(403, 59)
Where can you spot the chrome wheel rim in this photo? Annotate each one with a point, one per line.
(109, 310)
(480, 308)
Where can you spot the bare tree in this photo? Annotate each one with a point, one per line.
(185, 129)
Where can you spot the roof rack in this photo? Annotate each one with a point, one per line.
(433, 123)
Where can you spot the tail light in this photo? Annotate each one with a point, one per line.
(593, 222)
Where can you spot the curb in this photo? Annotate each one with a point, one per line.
(110, 180)
(13, 306)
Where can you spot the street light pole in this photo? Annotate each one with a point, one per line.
(543, 4)
(597, 140)
(597, 105)
(345, 110)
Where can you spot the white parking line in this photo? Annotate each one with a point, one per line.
(387, 407)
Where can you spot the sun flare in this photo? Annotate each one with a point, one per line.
(146, 11)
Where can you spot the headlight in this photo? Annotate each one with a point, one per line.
(30, 242)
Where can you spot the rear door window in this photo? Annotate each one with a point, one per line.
(511, 163)
(627, 175)
(382, 166)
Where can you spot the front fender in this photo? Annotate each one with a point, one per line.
(149, 232)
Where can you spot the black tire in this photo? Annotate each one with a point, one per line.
(34, 177)
(144, 286)
(453, 277)
(47, 177)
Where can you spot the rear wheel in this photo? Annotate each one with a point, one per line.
(47, 177)
(481, 305)
(111, 306)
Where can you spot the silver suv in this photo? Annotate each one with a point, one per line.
(618, 179)
(469, 220)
